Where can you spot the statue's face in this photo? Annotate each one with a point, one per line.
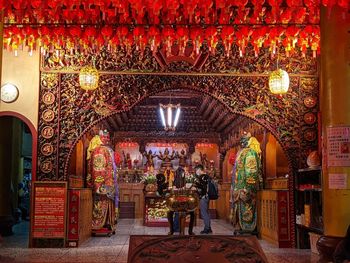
(105, 140)
(183, 151)
(244, 141)
(150, 152)
(166, 150)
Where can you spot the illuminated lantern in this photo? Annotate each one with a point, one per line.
(88, 78)
(279, 81)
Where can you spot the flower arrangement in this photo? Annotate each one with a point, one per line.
(149, 179)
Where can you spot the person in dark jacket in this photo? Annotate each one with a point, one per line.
(201, 184)
(342, 251)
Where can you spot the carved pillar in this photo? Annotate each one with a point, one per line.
(335, 111)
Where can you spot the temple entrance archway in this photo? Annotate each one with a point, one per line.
(204, 120)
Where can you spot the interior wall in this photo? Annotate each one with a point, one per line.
(10, 164)
(22, 71)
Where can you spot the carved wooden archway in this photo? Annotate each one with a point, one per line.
(66, 112)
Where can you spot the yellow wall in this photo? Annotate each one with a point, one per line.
(335, 111)
(22, 71)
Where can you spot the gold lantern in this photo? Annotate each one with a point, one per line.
(88, 78)
(279, 81)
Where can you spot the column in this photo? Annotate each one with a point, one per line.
(335, 111)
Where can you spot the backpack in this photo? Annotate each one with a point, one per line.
(213, 191)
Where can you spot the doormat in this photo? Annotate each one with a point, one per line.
(201, 248)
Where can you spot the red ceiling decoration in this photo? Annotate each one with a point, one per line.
(78, 24)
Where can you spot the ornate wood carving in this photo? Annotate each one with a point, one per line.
(239, 83)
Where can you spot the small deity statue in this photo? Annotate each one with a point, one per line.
(166, 158)
(149, 156)
(182, 156)
(169, 176)
(204, 160)
(127, 160)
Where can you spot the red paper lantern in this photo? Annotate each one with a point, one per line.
(258, 37)
(344, 4)
(242, 39)
(300, 14)
(75, 32)
(36, 3)
(53, 3)
(90, 32)
(210, 35)
(154, 39)
(182, 35)
(168, 34)
(197, 38)
(122, 31)
(227, 33)
(107, 32)
(286, 15)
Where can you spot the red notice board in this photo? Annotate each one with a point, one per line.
(49, 204)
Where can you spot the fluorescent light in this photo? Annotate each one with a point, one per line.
(162, 115)
(177, 116)
(170, 113)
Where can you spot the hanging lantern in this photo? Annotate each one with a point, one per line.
(279, 81)
(88, 78)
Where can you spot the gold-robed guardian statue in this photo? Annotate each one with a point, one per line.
(246, 181)
(102, 178)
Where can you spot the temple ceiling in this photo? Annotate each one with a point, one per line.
(199, 114)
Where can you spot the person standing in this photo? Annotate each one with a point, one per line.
(201, 183)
